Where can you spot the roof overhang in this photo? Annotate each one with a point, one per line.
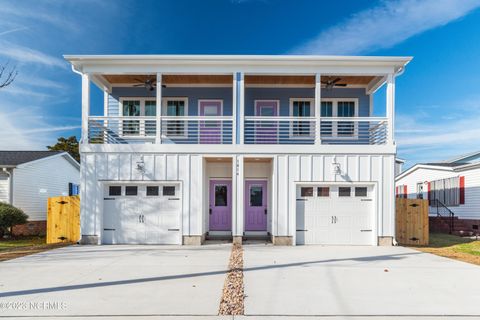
(224, 64)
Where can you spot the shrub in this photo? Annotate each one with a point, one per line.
(9, 217)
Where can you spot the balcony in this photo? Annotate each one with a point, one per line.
(238, 109)
(220, 129)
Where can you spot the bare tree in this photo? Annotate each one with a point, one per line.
(6, 76)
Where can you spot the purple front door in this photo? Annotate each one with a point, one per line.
(255, 205)
(220, 205)
(266, 131)
(210, 130)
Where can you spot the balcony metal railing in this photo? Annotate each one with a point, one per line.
(178, 130)
(197, 130)
(280, 130)
(257, 130)
(353, 130)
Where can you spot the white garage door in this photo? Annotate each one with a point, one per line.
(142, 214)
(335, 215)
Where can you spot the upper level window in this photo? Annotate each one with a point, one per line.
(302, 108)
(175, 107)
(138, 107)
(338, 108)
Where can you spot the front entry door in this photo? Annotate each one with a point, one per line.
(220, 205)
(256, 205)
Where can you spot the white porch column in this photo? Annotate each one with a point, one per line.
(158, 112)
(85, 106)
(241, 106)
(390, 112)
(234, 109)
(318, 111)
(238, 172)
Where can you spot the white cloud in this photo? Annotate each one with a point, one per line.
(28, 129)
(23, 54)
(386, 25)
(12, 30)
(423, 138)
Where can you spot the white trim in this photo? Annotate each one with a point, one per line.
(158, 112)
(248, 150)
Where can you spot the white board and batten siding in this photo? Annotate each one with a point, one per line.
(289, 171)
(102, 169)
(36, 181)
(469, 210)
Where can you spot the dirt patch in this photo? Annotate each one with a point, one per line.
(13, 253)
(233, 293)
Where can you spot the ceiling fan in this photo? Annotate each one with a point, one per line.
(330, 83)
(149, 84)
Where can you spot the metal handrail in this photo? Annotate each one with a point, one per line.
(449, 213)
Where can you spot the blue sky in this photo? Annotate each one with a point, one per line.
(438, 97)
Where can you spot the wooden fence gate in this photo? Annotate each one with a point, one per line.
(63, 219)
(411, 221)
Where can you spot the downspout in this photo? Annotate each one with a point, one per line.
(80, 74)
(398, 73)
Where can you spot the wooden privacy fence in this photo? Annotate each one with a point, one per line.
(63, 219)
(411, 221)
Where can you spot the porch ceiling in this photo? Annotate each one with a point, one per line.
(170, 79)
(305, 80)
(227, 79)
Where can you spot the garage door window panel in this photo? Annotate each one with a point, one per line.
(152, 191)
(131, 190)
(344, 191)
(323, 192)
(115, 191)
(168, 191)
(361, 192)
(306, 192)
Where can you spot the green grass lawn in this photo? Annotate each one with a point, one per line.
(6, 244)
(23, 246)
(455, 247)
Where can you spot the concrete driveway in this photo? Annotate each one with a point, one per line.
(115, 280)
(321, 280)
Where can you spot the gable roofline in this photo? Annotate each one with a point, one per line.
(462, 157)
(64, 155)
(423, 166)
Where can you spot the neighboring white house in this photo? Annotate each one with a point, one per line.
(190, 147)
(451, 186)
(29, 178)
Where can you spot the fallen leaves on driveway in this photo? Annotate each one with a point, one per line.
(233, 294)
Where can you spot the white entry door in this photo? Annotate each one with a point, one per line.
(335, 215)
(142, 214)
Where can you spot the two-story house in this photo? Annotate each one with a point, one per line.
(189, 147)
